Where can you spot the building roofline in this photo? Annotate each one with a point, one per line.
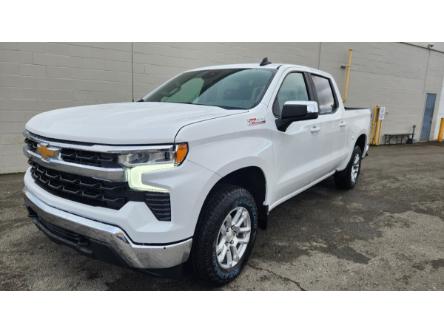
(422, 47)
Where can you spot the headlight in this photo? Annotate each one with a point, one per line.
(156, 159)
(159, 158)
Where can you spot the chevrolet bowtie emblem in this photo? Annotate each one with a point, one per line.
(47, 152)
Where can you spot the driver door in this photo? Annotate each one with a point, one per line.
(299, 147)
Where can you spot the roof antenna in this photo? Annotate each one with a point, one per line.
(265, 62)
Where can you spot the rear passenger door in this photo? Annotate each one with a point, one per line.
(332, 128)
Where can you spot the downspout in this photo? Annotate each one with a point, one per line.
(319, 55)
(132, 72)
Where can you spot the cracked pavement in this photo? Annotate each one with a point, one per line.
(386, 234)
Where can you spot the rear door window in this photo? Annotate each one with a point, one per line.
(324, 91)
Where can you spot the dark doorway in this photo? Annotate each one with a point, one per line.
(428, 117)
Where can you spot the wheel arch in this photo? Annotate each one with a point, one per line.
(253, 179)
(361, 142)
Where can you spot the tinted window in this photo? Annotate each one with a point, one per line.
(240, 88)
(293, 88)
(187, 93)
(325, 94)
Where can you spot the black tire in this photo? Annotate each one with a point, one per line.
(344, 179)
(203, 255)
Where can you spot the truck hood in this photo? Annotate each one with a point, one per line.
(122, 123)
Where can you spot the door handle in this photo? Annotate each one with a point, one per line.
(315, 129)
(342, 124)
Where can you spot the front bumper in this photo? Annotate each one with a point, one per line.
(80, 232)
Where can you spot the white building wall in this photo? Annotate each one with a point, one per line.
(440, 112)
(434, 84)
(156, 62)
(36, 77)
(394, 75)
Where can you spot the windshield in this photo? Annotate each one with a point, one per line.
(240, 88)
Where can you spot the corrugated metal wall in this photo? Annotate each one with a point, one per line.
(36, 77)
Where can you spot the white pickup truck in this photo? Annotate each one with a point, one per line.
(189, 172)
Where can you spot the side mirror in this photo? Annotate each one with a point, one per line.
(296, 111)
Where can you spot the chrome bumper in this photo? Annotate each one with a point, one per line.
(134, 255)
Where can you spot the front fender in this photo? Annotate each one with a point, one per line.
(229, 144)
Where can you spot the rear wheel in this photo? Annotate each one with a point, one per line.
(225, 235)
(347, 178)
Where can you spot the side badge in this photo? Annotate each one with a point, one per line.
(255, 121)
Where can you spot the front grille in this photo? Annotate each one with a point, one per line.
(103, 160)
(84, 157)
(99, 193)
(31, 144)
(93, 191)
(82, 189)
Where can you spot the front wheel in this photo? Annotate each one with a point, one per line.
(225, 234)
(347, 178)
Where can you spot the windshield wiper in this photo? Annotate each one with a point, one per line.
(225, 107)
(220, 106)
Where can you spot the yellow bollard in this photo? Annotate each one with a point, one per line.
(375, 127)
(441, 131)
